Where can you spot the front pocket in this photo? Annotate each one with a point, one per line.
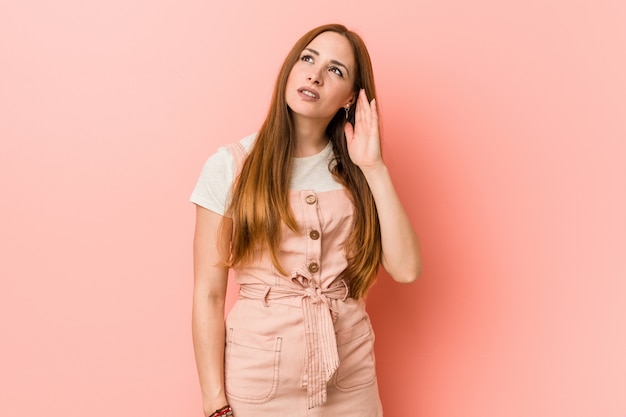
(357, 368)
(251, 368)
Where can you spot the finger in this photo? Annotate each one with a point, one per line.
(348, 129)
(359, 104)
(374, 115)
(369, 106)
(363, 107)
(374, 107)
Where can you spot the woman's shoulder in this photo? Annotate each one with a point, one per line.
(217, 176)
(240, 150)
(223, 157)
(223, 151)
(248, 141)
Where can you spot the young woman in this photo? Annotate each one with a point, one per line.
(304, 211)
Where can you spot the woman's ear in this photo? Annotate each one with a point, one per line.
(352, 100)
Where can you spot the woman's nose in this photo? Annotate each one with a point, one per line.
(314, 77)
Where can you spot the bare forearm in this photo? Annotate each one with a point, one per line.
(401, 257)
(208, 342)
(209, 293)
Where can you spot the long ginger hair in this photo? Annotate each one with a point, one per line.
(260, 198)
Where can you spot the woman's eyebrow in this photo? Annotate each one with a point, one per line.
(332, 61)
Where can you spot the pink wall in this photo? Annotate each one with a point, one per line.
(505, 128)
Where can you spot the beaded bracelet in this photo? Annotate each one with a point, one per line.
(225, 411)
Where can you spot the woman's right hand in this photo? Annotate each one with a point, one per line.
(223, 411)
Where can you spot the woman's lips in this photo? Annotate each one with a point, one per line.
(308, 94)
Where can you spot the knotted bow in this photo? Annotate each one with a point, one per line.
(321, 356)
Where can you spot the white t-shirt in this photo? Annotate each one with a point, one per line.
(212, 191)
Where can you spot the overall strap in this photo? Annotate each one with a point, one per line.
(239, 155)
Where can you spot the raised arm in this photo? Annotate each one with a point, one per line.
(209, 294)
(401, 256)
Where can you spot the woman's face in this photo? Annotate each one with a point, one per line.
(322, 80)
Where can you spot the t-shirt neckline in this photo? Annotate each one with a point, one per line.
(324, 152)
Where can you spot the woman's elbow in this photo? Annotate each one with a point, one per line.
(407, 274)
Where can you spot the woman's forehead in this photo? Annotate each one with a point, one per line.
(332, 45)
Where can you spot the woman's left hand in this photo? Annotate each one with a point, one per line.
(401, 255)
(364, 137)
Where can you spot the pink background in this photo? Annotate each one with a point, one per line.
(504, 128)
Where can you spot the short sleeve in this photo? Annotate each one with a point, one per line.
(213, 189)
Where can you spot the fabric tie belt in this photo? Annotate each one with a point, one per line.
(321, 357)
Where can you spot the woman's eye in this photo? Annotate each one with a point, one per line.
(306, 58)
(336, 71)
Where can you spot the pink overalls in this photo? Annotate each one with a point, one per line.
(298, 345)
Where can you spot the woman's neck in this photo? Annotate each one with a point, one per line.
(310, 137)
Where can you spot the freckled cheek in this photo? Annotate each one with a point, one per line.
(296, 73)
(290, 78)
(289, 86)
